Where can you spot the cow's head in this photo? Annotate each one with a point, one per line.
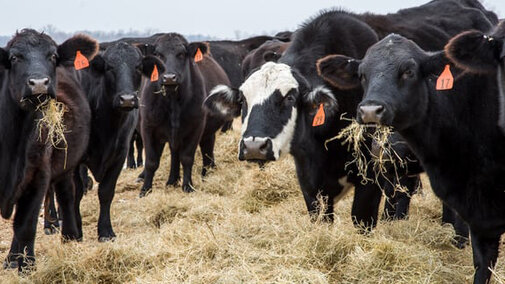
(271, 99)
(478, 52)
(177, 55)
(393, 75)
(122, 66)
(270, 50)
(31, 59)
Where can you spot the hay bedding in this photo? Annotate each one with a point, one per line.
(228, 232)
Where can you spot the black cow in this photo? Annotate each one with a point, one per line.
(29, 164)
(174, 112)
(270, 50)
(112, 85)
(272, 128)
(453, 132)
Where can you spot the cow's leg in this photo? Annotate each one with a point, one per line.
(390, 201)
(25, 226)
(65, 193)
(403, 198)
(175, 167)
(154, 149)
(140, 148)
(461, 229)
(485, 253)
(79, 192)
(51, 224)
(365, 206)
(227, 126)
(130, 159)
(87, 181)
(187, 160)
(207, 148)
(106, 190)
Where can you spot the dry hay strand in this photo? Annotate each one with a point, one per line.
(52, 121)
(355, 136)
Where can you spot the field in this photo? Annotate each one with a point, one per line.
(245, 225)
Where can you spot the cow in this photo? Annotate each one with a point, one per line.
(279, 102)
(112, 85)
(38, 70)
(270, 50)
(135, 143)
(451, 128)
(289, 130)
(173, 109)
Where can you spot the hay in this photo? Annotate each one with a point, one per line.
(355, 137)
(210, 237)
(52, 123)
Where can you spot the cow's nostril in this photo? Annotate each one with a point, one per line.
(46, 81)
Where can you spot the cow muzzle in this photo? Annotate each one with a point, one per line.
(256, 148)
(170, 79)
(370, 114)
(128, 102)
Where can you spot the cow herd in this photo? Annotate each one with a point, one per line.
(435, 73)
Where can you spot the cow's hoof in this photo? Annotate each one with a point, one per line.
(106, 239)
(144, 193)
(140, 164)
(10, 264)
(188, 188)
(460, 242)
(51, 230)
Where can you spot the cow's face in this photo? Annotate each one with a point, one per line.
(122, 66)
(271, 100)
(393, 75)
(31, 59)
(177, 55)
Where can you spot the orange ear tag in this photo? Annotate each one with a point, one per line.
(154, 75)
(198, 55)
(445, 80)
(80, 61)
(319, 117)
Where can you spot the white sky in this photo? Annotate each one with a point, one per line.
(220, 18)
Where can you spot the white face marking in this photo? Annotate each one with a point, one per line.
(258, 88)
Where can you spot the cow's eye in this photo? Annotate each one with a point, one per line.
(52, 57)
(14, 58)
(289, 98)
(139, 68)
(181, 55)
(407, 74)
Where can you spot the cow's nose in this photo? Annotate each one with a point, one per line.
(39, 85)
(128, 101)
(170, 79)
(256, 149)
(371, 113)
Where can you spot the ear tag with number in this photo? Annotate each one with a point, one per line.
(319, 117)
(445, 80)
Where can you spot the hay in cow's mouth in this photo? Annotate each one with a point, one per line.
(52, 122)
(354, 137)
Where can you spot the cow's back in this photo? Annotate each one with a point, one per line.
(213, 74)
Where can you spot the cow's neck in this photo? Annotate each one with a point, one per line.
(18, 129)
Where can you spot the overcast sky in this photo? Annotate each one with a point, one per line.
(220, 18)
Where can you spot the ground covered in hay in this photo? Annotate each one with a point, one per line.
(244, 224)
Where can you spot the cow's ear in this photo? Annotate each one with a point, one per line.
(145, 48)
(434, 63)
(474, 51)
(340, 71)
(321, 95)
(224, 101)
(148, 63)
(271, 56)
(98, 64)
(4, 59)
(194, 46)
(83, 43)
